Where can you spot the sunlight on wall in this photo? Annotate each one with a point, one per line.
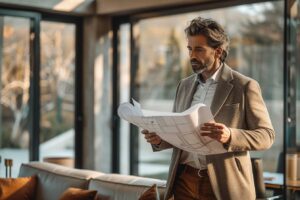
(68, 5)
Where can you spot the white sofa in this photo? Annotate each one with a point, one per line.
(54, 179)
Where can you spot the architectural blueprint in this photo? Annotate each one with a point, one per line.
(182, 130)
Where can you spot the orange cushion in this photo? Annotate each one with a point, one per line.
(78, 194)
(17, 188)
(150, 194)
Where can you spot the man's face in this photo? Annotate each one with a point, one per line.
(202, 57)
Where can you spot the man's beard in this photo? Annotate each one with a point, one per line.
(198, 67)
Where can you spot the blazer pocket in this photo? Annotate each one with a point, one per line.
(238, 164)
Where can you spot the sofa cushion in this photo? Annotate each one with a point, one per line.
(78, 194)
(17, 188)
(54, 179)
(124, 187)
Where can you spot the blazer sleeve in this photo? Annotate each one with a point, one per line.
(165, 145)
(260, 134)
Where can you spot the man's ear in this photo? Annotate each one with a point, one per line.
(218, 52)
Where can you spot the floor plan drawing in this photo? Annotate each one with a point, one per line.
(182, 130)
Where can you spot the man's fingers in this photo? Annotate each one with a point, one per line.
(212, 133)
(150, 139)
(153, 139)
(210, 128)
(216, 136)
(205, 133)
(147, 136)
(214, 124)
(217, 131)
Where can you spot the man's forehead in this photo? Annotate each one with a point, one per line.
(198, 40)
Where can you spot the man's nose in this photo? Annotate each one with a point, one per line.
(192, 54)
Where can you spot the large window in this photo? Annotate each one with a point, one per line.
(39, 104)
(161, 60)
(15, 108)
(57, 89)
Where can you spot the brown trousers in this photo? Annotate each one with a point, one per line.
(190, 186)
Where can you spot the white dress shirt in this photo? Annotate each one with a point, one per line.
(204, 94)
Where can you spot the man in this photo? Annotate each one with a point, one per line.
(241, 122)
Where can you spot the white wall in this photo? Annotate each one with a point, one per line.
(82, 7)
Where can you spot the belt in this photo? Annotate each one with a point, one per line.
(194, 171)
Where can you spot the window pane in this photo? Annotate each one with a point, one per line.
(57, 79)
(256, 50)
(14, 88)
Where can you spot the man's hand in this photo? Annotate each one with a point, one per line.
(152, 138)
(216, 131)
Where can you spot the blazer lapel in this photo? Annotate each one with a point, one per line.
(222, 91)
(190, 93)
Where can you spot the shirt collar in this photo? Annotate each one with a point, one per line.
(213, 79)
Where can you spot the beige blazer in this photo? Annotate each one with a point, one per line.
(239, 105)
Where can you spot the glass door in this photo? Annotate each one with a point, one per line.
(17, 63)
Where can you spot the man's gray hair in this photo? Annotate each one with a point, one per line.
(215, 34)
